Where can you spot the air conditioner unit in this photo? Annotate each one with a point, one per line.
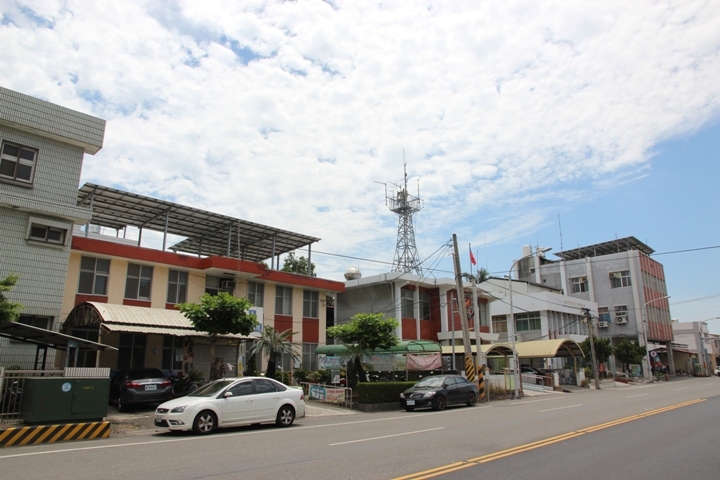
(621, 320)
(227, 284)
(603, 324)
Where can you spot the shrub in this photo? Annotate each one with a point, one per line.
(381, 392)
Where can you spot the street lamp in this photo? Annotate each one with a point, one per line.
(646, 367)
(512, 317)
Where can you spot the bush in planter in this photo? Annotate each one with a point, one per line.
(381, 392)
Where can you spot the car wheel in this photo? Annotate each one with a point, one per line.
(120, 405)
(472, 399)
(440, 403)
(285, 416)
(205, 422)
(409, 409)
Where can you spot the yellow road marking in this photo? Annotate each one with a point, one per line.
(434, 472)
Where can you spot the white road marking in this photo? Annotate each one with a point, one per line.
(561, 408)
(641, 395)
(537, 401)
(385, 436)
(683, 388)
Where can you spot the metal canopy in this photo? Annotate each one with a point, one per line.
(207, 233)
(606, 248)
(47, 338)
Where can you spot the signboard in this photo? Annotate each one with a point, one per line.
(324, 394)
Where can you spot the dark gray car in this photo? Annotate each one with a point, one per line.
(439, 391)
(139, 385)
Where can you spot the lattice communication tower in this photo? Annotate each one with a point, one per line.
(405, 206)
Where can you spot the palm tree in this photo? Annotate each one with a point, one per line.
(273, 342)
(480, 276)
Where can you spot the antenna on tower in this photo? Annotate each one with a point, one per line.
(405, 206)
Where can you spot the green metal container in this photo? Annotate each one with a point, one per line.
(57, 399)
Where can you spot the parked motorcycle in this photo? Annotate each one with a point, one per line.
(182, 385)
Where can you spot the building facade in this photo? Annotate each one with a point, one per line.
(627, 285)
(43, 146)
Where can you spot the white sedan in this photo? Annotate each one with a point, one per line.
(230, 402)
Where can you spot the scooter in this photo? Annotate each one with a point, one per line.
(182, 385)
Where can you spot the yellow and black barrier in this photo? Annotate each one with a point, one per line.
(36, 434)
(481, 383)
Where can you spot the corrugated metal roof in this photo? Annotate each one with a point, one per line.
(559, 347)
(206, 233)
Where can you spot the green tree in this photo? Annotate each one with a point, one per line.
(603, 348)
(299, 265)
(9, 311)
(220, 314)
(273, 343)
(480, 276)
(364, 333)
(628, 352)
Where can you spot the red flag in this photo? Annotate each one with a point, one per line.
(472, 257)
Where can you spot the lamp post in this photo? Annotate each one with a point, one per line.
(646, 359)
(512, 316)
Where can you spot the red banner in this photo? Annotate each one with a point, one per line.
(423, 362)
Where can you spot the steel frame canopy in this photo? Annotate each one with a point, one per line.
(605, 248)
(206, 233)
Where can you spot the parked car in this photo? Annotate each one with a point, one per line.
(438, 391)
(231, 402)
(135, 386)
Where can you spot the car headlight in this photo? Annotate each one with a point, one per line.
(430, 394)
(178, 409)
(402, 395)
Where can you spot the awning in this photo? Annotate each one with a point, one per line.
(487, 349)
(47, 338)
(125, 318)
(559, 347)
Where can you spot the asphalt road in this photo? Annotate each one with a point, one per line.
(396, 444)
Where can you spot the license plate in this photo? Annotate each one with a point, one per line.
(410, 402)
(150, 387)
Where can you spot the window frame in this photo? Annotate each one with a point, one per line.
(528, 320)
(579, 284)
(311, 304)
(283, 300)
(144, 282)
(215, 289)
(96, 275)
(18, 161)
(309, 359)
(624, 280)
(425, 305)
(407, 303)
(604, 314)
(256, 293)
(177, 286)
(497, 321)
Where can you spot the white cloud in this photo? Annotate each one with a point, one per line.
(288, 113)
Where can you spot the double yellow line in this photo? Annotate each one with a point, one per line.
(541, 443)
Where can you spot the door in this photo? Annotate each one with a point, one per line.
(267, 400)
(238, 407)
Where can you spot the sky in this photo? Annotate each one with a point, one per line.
(554, 124)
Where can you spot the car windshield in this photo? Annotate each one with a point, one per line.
(430, 382)
(211, 389)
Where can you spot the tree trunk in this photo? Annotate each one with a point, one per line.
(270, 373)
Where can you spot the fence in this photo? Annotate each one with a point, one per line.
(342, 396)
(12, 383)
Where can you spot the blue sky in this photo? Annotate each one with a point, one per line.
(515, 117)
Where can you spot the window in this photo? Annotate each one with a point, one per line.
(528, 321)
(407, 303)
(620, 279)
(177, 286)
(256, 293)
(131, 350)
(283, 300)
(499, 323)
(310, 304)
(242, 389)
(17, 163)
(94, 274)
(172, 355)
(309, 359)
(603, 314)
(47, 234)
(215, 285)
(424, 306)
(36, 321)
(578, 284)
(139, 282)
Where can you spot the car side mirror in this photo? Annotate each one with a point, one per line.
(227, 394)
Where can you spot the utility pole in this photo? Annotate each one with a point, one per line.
(591, 327)
(469, 363)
